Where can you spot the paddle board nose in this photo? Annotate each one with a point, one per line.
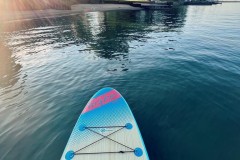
(106, 130)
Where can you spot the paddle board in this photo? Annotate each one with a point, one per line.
(106, 130)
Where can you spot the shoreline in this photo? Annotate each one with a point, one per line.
(8, 16)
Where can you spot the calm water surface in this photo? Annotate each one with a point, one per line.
(178, 69)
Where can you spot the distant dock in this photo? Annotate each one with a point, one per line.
(201, 2)
(229, 1)
(153, 6)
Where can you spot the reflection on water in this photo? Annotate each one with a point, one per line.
(106, 34)
(174, 67)
(9, 69)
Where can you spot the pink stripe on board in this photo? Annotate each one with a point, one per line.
(101, 100)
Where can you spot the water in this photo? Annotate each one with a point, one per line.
(179, 70)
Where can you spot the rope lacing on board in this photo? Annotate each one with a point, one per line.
(103, 137)
(137, 151)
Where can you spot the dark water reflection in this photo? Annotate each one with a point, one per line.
(9, 69)
(105, 32)
(178, 70)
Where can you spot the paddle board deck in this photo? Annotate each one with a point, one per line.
(106, 130)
